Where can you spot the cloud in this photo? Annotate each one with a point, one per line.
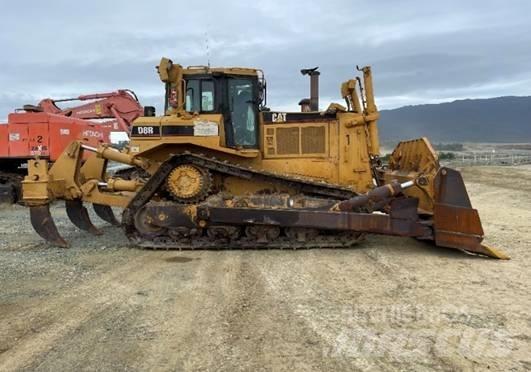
(420, 51)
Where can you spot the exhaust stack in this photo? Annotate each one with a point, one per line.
(314, 87)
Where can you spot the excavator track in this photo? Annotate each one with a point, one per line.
(241, 238)
(10, 189)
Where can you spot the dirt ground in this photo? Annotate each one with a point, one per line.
(388, 304)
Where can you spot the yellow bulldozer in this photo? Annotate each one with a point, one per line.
(221, 170)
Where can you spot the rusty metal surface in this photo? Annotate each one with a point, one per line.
(78, 214)
(467, 243)
(314, 87)
(403, 221)
(168, 214)
(456, 224)
(42, 222)
(371, 198)
(450, 188)
(457, 219)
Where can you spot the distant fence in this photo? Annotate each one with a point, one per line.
(489, 158)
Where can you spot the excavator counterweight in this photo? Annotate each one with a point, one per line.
(45, 129)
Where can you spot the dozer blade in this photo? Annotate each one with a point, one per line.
(42, 222)
(78, 214)
(105, 213)
(442, 194)
(456, 223)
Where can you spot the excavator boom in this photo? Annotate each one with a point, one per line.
(121, 105)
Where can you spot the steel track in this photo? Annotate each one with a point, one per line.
(300, 185)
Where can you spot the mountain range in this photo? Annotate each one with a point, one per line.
(500, 119)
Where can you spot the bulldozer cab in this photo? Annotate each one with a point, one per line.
(234, 93)
(234, 97)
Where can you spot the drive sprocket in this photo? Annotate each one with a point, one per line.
(188, 183)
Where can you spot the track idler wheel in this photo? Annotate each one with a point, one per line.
(79, 216)
(144, 223)
(42, 222)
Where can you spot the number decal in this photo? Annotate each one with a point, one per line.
(145, 130)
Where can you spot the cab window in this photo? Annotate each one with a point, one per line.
(207, 95)
(242, 112)
(199, 95)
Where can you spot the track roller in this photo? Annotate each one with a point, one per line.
(301, 234)
(262, 234)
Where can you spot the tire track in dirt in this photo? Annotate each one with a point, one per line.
(189, 326)
(75, 308)
(269, 310)
(227, 320)
(263, 330)
(329, 306)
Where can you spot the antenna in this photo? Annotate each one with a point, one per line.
(207, 47)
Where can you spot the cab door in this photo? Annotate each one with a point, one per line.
(241, 122)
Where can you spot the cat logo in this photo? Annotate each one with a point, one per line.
(278, 117)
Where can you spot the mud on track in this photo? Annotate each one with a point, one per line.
(389, 303)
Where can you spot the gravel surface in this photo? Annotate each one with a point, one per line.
(390, 303)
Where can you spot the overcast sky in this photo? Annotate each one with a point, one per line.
(421, 51)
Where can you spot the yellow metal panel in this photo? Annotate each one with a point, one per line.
(202, 70)
(354, 162)
(320, 169)
(296, 140)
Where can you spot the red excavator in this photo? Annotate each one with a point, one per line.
(46, 129)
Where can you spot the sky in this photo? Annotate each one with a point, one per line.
(420, 51)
